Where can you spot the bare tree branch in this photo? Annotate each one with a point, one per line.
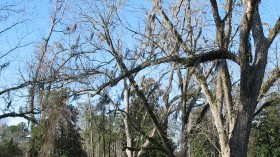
(175, 32)
(275, 75)
(215, 11)
(186, 62)
(23, 115)
(275, 30)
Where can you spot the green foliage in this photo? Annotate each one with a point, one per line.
(153, 153)
(142, 122)
(36, 142)
(101, 130)
(156, 150)
(69, 141)
(17, 132)
(204, 140)
(9, 148)
(13, 140)
(266, 133)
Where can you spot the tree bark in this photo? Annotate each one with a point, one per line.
(240, 136)
(127, 126)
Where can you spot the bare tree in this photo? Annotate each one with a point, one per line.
(233, 121)
(98, 49)
(183, 44)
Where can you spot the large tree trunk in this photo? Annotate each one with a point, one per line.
(240, 137)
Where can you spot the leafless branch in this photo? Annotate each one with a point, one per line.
(23, 115)
(275, 75)
(275, 30)
(186, 62)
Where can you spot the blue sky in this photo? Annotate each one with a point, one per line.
(37, 26)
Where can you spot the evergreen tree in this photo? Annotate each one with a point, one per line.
(266, 133)
(13, 140)
(204, 139)
(9, 148)
(142, 123)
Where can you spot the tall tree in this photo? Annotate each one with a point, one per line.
(168, 40)
(232, 119)
(99, 51)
